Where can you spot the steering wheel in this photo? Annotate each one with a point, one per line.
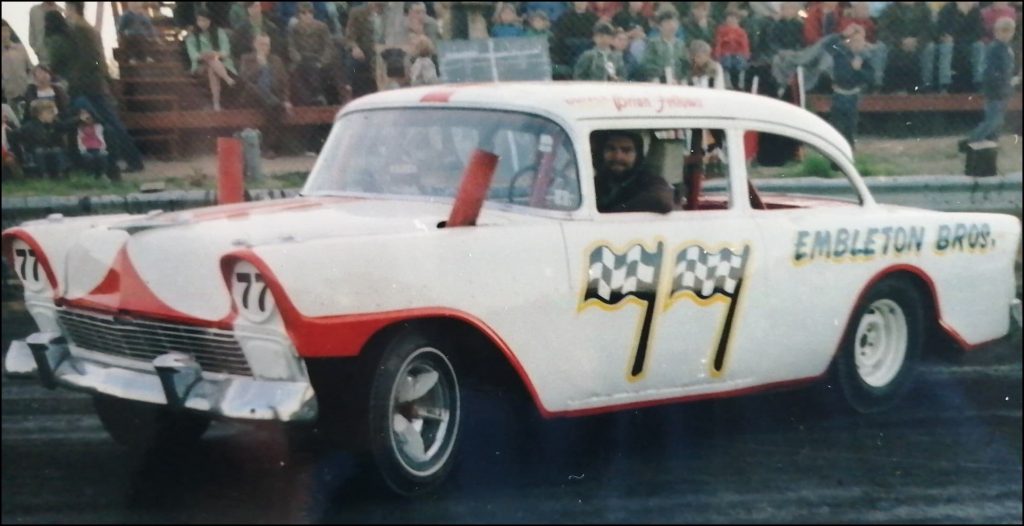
(558, 177)
(515, 178)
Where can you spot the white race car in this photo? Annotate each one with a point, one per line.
(451, 236)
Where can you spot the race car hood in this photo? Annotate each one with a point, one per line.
(169, 263)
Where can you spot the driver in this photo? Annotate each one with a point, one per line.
(623, 184)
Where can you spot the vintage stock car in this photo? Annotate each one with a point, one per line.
(451, 236)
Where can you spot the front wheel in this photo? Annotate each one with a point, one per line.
(414, 414)
(882, 346)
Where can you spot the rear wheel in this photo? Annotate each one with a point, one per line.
(414, 414)
(882, 346)
(143, 426)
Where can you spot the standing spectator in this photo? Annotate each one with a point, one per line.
(257, 24)
(960, 46)
(823, 19)
(43, 138)
(621, 46)
(699, 26)
(994, 12)
(92, 148)
(43, 88)
(418, 22)
(600, 62)
(310, 50)
(37, 29)
(16, 65)
(787, 33)
(851, 72)
(509, 24)
(11, 154)
(136, 33)
(606, 11)
(363, 34)
(732, 49)
(906, 30)
(266, 86)
(860, 14)
(76, 55)
(704, 72)
(423, 71)
(573, 33)
(665, 59)
(997, 83)
(210, 54)
(632, 18)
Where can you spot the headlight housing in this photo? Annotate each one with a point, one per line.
(250, 293)
(28, 267)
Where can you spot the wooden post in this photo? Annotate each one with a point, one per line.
(230, 186)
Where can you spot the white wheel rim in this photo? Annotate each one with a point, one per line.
(881, 343)
(423, 413)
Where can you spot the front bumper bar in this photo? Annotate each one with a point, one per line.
(177, 381)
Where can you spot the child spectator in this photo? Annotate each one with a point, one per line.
(851, 73)
(210, 53)
(310, 49)
(877, 53)
(906, 30)
(704, 72)
(994, 12)
(136, 33)
(997, 83)
(573, 33)
(509, 24)
(43, 139)
(539, 26)
(665, 59)
(823, 19)
(423, 71)
(92, 148)
(257, 23)
(600, 62)
(732, 49)
(960, 46)
(621, 46)
(16, 65)
(44, 89)
(699, 26)
(265, 80)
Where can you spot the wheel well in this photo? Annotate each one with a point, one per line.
(936, 341)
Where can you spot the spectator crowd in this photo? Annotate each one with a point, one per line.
(274, 56)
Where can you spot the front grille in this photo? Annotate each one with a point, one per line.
(216, 350)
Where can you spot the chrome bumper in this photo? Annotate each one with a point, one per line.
(178, 381)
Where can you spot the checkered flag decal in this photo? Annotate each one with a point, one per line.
(614, 276)
(708, 273)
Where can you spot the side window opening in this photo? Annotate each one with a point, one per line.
(667, 169)
(785, 173)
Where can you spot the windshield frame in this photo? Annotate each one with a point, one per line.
(554, 120)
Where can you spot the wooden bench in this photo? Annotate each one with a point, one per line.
(927, 102)
(192, 119)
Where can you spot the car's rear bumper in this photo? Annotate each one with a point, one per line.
(175, 380)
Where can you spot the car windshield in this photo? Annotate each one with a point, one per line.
(423, 153)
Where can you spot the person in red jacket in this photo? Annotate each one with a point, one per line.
(823, 19)
(732, 49)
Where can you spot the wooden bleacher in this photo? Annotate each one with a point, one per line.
(925, 102)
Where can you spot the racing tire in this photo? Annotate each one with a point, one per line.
(414, 414)
(141, 426)
(882, 347)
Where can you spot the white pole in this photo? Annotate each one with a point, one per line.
(800, 86)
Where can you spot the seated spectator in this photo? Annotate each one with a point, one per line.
(573, 33)
(257, 23)
(44, 139)
(994, 12)
(732, 49)
(44, 89)
(876, 52)
(423, 71)
(310, 50)
(601, 62)
(788, 31)
(265, 86)
(822, 20)
(621, 46)
(509, 23)
(136, 33)
(92, 147)
(539, 26)
(705, 72)
(632, 18)
(960, 47)
(906, 30)
(606, 11)
(210, 54)
(666, 59)
(16, 65)
(699, 26)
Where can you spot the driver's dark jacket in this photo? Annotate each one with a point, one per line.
(640, 191)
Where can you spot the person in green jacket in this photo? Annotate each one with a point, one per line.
(210, 54)
(601, 62)
(666, 58)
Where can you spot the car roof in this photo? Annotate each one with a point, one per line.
(581, 101)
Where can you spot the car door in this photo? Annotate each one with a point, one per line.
(659, 308)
